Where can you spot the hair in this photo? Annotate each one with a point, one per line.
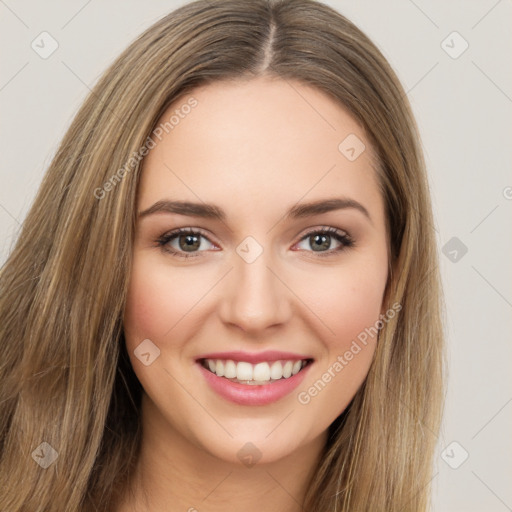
(65, 375)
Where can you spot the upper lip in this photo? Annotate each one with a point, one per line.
(255, 357)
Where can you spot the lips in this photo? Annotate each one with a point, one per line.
(253, 378)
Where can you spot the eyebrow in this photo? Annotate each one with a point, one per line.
(211, 211)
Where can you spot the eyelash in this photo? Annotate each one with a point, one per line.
(346, 240)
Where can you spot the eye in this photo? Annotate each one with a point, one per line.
(188, 242)
(320, 240)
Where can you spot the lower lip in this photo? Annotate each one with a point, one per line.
(247, 394)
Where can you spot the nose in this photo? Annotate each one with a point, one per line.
(255, 296)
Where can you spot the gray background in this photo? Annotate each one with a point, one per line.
(463, 104)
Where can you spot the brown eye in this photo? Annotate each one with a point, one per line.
(189, 242)
(320, 241)
(183, 242)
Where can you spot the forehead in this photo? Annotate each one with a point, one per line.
(264, 142)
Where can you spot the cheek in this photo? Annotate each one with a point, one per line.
(163, 302)
(346, 300)
(358, 308)
(155, 302)
(349, 308)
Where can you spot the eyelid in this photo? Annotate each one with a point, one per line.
(341, 235)
(164, 239)
(326, 229)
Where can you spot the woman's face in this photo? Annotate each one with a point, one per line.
(260, 294)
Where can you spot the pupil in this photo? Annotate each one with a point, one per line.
(191, 241)
(325, 240)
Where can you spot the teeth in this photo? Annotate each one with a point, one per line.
(229, 369)
(276, 370)
(219, 369)
(243, 370)
(287, 369)
(248, 373)
(261, 372)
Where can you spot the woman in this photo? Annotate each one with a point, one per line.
(226, 293)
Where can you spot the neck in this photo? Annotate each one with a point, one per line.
(175, 475)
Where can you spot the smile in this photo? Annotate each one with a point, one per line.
(243, 372)
(253, 379)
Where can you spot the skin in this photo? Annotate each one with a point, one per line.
(255, 149)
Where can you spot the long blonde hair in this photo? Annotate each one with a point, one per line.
(65, 376)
